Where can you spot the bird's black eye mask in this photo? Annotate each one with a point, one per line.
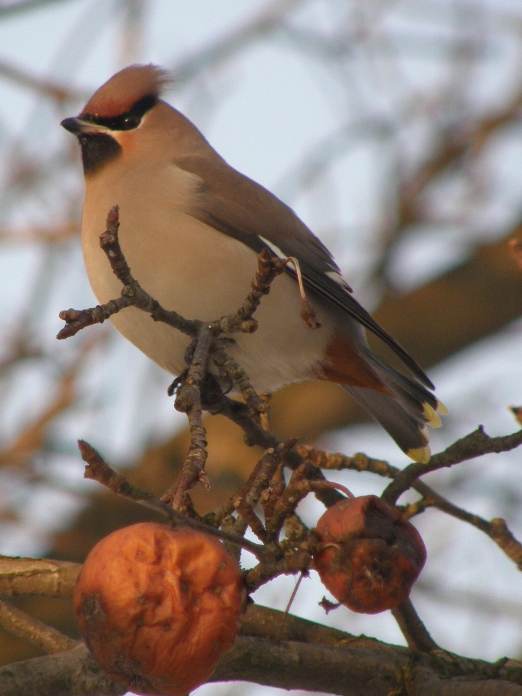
(127, 121)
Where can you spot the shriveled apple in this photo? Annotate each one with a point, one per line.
(369, 556)
(157, 606)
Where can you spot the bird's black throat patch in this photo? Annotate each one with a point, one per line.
(98, 149)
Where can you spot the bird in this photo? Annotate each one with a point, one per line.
(192, 228)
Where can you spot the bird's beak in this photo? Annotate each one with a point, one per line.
(77, 126)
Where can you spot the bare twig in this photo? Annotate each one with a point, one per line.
(132, 294)
(98, 470)
(189, 397)
(273, 561)
(244, 500)
(44, 637)
(337, 461)
(188, 401)
(286, 500)
(76, 320)
(239, 414)
(291, 563)
(230, 370)
(496, 529)
(413, 628)
(35, 576)
(473, 445)
(206, 346)
(268, 268)
(272, 461)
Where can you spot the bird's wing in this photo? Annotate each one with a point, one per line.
(235, 205)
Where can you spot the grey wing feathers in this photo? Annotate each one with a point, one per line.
(243, 209)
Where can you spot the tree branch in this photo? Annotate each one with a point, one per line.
(31, 576)
(310, 657)
(39, 634)
(473, 445)
(496, 529)
(98, 470)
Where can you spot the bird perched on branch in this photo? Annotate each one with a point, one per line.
(191, 230)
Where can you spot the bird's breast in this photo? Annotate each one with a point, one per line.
(197, 271)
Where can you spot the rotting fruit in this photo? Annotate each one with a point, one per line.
(157, 607)
(369, 556)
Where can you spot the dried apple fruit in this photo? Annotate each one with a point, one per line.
(369, 556)
(157, 607)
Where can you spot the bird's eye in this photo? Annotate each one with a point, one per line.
(130, 121)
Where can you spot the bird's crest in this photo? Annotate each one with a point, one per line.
(119, 94)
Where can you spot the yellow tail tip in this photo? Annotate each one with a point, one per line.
(422, 455)
(441, 409)
(431, 416)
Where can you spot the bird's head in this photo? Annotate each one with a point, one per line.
(116, 111)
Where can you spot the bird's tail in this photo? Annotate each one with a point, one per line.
(405, 412)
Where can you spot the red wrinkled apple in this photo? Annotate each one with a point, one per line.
(369, 556)
(157, 606)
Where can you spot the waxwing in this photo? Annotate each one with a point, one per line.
(191, 230)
